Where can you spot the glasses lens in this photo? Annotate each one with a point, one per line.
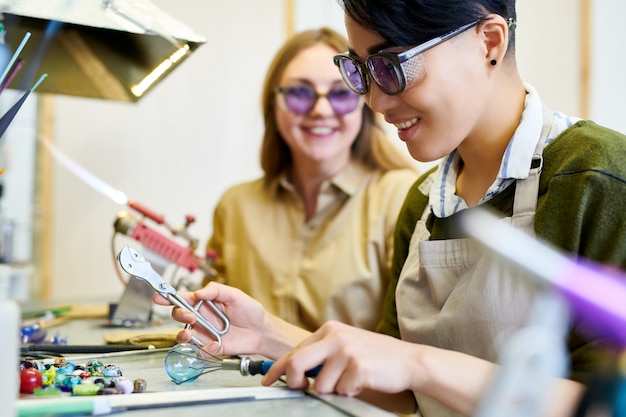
(385, 74)
(351, 74)
(299, 99)
(343, 101)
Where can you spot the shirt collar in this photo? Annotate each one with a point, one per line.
(519, 153)
(347, 180)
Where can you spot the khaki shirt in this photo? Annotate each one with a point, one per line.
(335, 266)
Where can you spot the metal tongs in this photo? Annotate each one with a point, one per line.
(134, 264)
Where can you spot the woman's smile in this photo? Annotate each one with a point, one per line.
(408, 128)
(407, 124)
(319, 131)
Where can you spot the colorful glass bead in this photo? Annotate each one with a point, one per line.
(108, 391)
(95, 367)
(107, 382)
(112, 371)
(58, 362)
(140, 385)
(86, 389)
(124, 386)
(96, 379)
(67, 369)
(25, 364)
(73, 380)
(48, 391)
(60, 379)
(63, 376)
(30, 379)
(48, 375)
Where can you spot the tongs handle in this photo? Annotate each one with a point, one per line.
(200, 319)
(136, 265)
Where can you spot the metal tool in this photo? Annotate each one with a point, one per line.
(185, 362)
(133, 263)
(163, 245)
(247, 366)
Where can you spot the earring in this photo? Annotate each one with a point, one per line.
(493, 62)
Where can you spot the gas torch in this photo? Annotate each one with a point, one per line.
(161, 249)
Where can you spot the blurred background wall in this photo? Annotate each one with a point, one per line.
(198, 132)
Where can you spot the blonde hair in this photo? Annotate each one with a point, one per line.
(371, 146)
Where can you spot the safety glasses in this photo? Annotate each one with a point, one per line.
(302, 99)
(392, 71)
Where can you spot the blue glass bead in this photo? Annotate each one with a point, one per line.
(67, 369)
(74, 380)
(61, 379)
(184, 362)
(112, 371)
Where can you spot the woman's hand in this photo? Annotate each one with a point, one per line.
(252, 329)
(357, 361)
(353, 360)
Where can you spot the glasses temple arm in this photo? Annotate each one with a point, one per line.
(434, 42)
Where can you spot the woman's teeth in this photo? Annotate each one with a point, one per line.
(407, 124)
(321, 130)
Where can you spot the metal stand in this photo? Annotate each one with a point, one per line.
(135, 306)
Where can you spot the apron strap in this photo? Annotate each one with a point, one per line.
(527, 190)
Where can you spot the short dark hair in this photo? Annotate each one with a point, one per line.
(411, 22)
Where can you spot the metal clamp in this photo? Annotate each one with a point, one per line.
(134, 264)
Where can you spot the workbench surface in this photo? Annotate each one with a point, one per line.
(217, 393)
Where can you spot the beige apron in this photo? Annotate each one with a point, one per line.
(455, 295)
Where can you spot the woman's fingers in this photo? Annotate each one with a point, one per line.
(348, 367)
(285, 366)
(245, 315)
(312, 352)
(219, 293)
(350, 381)
(160, 300)
(184, 336)
(183, 315)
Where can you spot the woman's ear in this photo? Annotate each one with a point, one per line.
(495, 31)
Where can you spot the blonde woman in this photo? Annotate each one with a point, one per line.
(312, 239)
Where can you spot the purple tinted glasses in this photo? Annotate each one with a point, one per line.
(392, 71)
(302, 99)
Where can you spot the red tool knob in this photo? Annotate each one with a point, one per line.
(158, 218)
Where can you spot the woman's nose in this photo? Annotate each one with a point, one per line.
(322, 106)
(379, 101)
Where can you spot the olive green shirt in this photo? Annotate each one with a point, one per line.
(581, 208)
